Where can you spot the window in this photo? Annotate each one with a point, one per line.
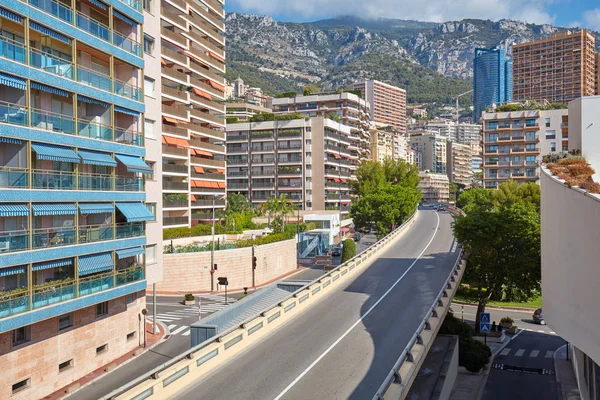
(131, 336)
(151, 164)
(63, 366)
(148, 86)
(547, 122)
(21, 335)
(65, 321)
(148, 45)
(552, 146)
(101, 309)
(148, 5)
(152, 208)
(550, 134)
(149, 128)
(22, 385)
(102, 349)
(150, 254)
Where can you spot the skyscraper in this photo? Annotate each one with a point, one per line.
(492, 79)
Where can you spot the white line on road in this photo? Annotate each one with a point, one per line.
(171, 326)
(505, 352)
(549, 354)
(541, 330)
(520, 352)
(553, 333)
(186, 333)
(534, 353)
(311, 366)
(176, 331)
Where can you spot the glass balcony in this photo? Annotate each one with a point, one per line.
(53, 180)
(52, 121)
(54, 8)
(95, 283)
(128, 230)
(13, 113)
(94, 79)
(129, 184)
(129, 91)
(52, 64)
(14, 302)
(135, 4)
(12, 50)
(95, 182)
(130, 275)
(95, 233)
(128, 136)
(94, 130)
(53, 237)
(14, 241)
(53, 292)
(127, 44)
(13, 177)
(94, 27)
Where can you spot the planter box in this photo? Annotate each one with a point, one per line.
(189, 302)
(506, 325)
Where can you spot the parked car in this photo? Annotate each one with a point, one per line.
(357, 237)
(336, 252)
(538, 318)
(441, 208)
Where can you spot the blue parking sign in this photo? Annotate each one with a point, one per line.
(484, 323)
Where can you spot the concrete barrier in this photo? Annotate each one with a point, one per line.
(172, 377)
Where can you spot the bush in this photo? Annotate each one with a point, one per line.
(349, 250)
(273, 238)
(472, 354)
(454, 326)
(506, 320)
(189, 297)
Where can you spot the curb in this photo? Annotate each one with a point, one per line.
(531, 309)
(488, 366)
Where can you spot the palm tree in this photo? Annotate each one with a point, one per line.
(286, 207)
(269, 207)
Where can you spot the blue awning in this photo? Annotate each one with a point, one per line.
(127, 111)
(14, 210)
(12, 271)
(12, 81)
(133, 251)
(49, 32)
(53, 209)
(135, 212)
(134, 164)
(98, 4)
(55, 153)
(124, 18)
(95, 263)
(49, 89)
(51, 264)
(10, 15)
(96, 208)
(96, 158)
(92, 101)
(10, 140)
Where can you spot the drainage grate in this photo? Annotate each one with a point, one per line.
(525, 370)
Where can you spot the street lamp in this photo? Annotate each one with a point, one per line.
(212, 247)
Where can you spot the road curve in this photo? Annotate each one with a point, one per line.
(343, 346)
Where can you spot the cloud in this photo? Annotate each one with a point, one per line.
(591, 19)
(431, 10)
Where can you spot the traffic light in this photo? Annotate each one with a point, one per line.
(254, 262)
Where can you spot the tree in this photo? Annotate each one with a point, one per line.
(232, 120)
(510, 192)
(348, 250)
(269, 207)
(310, 88)
(476, 197)
(237, 203)
(285, 206)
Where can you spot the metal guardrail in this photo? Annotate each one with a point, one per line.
(332, 276)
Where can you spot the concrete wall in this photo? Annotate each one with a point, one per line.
(39, 358)
(570, 272)
(190, 272)
(584, 130)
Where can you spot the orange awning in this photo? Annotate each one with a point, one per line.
(337, 156)
(203, 153)
(345, 181)
(162, 61)
(217, 86)
(336, 180)
(201, 184)
(220, 171)
(193, 197)
(216, 56)
(198, 169)
(182, 143)
(221, 185)
(202, 93)
(171, 120)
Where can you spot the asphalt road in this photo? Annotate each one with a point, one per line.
(508, 380)
(343, 346)
(523, 319)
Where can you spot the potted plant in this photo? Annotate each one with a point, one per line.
(189, 299)
(506, 322)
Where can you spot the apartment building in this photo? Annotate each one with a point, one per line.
(192, 91)
(557, 69)
(514, 143)
(382, 144)
(492, 80)
(308, 160)
(432, 148)
(435, 187)
(388, 103)
(461, 133)
(244, 111)
(351, 110)
(74, 169)
(459, 159)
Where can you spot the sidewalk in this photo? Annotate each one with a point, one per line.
(565, 376)
(135, 355)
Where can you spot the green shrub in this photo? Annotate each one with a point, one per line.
(349, 250)
(507, 320)
(454, 326)
(472, 354)
(273, 238)
(189, 297)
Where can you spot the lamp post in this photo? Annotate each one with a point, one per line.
(212, 247)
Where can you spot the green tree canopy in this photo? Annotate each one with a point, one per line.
(237, 203)
(310, 88)
(348, 250)
(475, 197)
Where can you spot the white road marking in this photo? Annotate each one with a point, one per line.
(171, 326)
(505, 352)
(529, 330)
(168, 319)
(542, 331)
(520, 352)
(311, 366)
(553, 333)
(176, 331)
(534, 353)
(549, 354)
(186, 333)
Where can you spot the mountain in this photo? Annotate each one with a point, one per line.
(432, 61)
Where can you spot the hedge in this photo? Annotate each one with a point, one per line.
(348, 250)
(472, 354)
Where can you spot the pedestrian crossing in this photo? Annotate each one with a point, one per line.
(539, 331)
(526, 353)
(170, 316)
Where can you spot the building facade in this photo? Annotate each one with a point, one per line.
(244, 111)
(382, 144)
(351, 110)
(557, 69)
(459, 163)
(432, 148)
(388, 103)
(435, 187)
(192, 91)
(492, 80)
(75, 164)
(308, 161)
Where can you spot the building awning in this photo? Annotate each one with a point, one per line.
(53, 209)
(134, 164)
(92, 101)
(52, 152)
(49, 32)
(98, 4)
(14, 210)
(96, 208)
(198, 169)
(346, 202)
(96, 158)
(208, 184)
(216, 56)
(12, 271)
(12, 81)
(135, 212)
(10, 15)
(126, 111)
(336, 179)
(217, 86)
(345, 181)
(182, 143)
(220, 171)
(130, 252)
(124, 18)
(202, 93)
(193, 197)
(10, 140)
(95, 263)
(337, 156)
(344, 229)
(162, 61)
(202, 153)
(51, 264)
(221, 185)
(49, 89)
(171, 120)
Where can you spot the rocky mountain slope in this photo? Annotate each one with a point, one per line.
(432, 61)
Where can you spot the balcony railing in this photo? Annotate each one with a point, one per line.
(237, 173)
(129, 136)
(14, 302)
(14, 177)
(51, 63)
(289, 171)
(128, 90)
(96, 283)
(237, 138)
(127, 44)
(12, 50)
(175, 203)
(135, 4)
(175, 186)
(174, 130)
(53, 180)
(14, 241)
(54, 8)
(95, 182)
(180, 169)
(208, 203)
(132, 184)
(94, 78)
(208, 161)
(95, 233)
(53, 237)
(169, 221)
(130, 229)
(208, 190)
(100, 30)
(176, 151)
(13, 113)
(129, 275)
(54, 292)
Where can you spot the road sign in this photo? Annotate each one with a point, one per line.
(484, 317)
(484, 327)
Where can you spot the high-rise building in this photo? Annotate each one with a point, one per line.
(557, 69)
(514, 142)
(461, 133)
(74, 252)
(382, 144)
(351, 110)
(458, 159)
(309, 161)
(192, 91)
(435, 187)
(492, 80)
(433, 151)
(244, 111)
(388, 103)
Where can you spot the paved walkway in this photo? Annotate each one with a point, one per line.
(565, 376)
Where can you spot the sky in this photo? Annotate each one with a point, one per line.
(566, 13)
